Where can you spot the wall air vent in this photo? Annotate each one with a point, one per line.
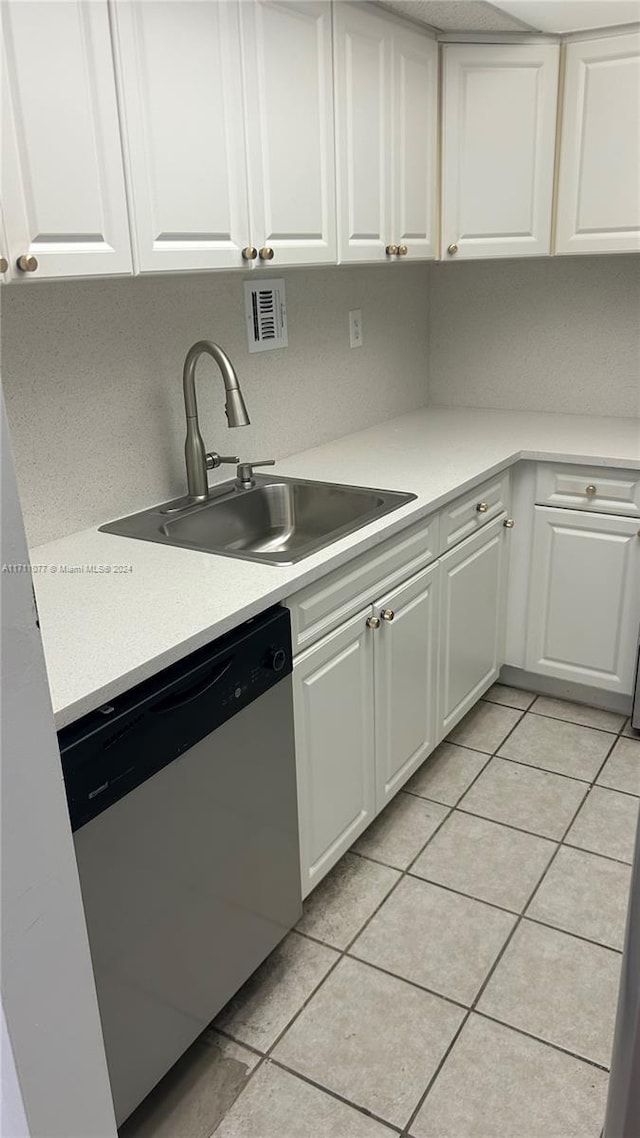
(266, 313)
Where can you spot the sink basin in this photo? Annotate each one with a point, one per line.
(278, 521)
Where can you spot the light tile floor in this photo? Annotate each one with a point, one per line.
(455, 976)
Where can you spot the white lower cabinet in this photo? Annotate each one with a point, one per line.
(472, 606)
(365, 713)
(333, 701)
(584, 598)
(366, 700)
(405, 656)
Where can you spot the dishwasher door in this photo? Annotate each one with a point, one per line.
(188, 882)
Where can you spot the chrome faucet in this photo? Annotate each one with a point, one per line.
(197, 459)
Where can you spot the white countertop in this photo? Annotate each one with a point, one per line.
(103, 632)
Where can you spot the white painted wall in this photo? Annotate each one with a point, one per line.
(92, 372)
(554, 334)
(48, 992)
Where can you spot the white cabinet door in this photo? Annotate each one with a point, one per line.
(584, 604)
(333, 704)
(4, 252)
(63, 186)
(180, 79)
(499, 118)
(405, 665)
(599, 178)
(363, 67)
(289, 121)
(472, 603)
(415, 97)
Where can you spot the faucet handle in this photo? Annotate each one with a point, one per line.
(245, 470)
(214, 460)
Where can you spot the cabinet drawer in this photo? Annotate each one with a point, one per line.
(328, 602)
(464, 517)
(597, 489)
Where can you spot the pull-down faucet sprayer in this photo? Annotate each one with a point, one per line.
(197, 459)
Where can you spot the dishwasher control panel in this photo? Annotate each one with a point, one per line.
(123, 743)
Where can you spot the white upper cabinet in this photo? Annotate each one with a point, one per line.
(228, 114)
(599, 179)
(386, 103)
(180, 80)
(363, 133)
(4, 251)
(63, 186)
(289, 123)
(414, 143)
(498, 144)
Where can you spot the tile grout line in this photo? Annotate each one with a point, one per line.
(548, 770)
(335, 1094)
(596, 853)
(576, 723)
(545, 1042)
(505, 825)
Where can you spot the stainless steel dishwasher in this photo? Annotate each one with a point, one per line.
(182, 798)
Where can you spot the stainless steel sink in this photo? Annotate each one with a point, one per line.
(278, 521)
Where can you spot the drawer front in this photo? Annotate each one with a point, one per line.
(324, 605)
(464, 517)
(597, 489)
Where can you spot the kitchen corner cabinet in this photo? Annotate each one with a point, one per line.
(386, 125)
(584, 601)
(472, 605)
(228, 114)
(498, 145)
(599, 176)
(63, 187)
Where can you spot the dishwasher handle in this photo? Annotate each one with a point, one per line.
(173, 702)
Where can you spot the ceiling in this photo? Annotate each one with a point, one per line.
(552, 16)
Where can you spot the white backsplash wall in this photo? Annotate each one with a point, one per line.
(548, 334)
(92, 372)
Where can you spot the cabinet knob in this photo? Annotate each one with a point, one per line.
(591, 491)
(373, 622)
(387, 614)
(250, 253)
(508, 523)
(27, 263)
(402, 250)
(4, 264)
(482, 507)
(452, 250)
(391, 250)
(266, 254)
